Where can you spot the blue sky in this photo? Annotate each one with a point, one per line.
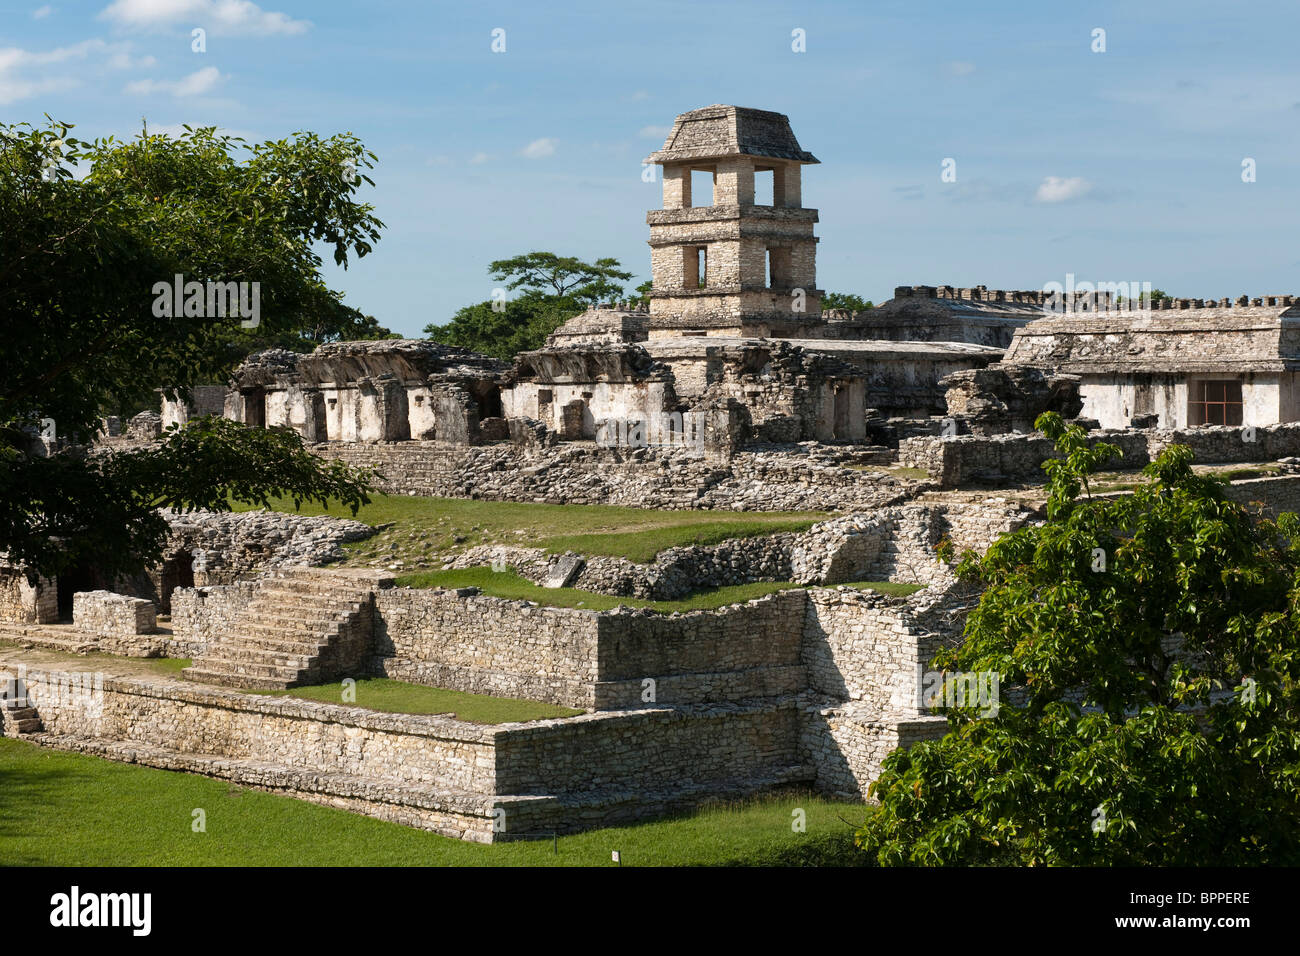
(1117, 166)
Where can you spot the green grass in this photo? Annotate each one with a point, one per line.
(422, 531)
(65, 809)
(508, 584)
(165, 666)
(397, 697)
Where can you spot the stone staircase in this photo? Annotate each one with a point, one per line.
(17, 717)
(302, 626)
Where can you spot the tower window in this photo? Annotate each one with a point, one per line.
(695, 266)
(701, 187)
(764, 187)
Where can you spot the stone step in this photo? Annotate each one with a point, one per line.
(225, 678)
(285, 623)
(311, 596)
(259, 669)
(261, 655)
(19, 718)
(281, 643)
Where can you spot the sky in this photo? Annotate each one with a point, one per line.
(1117, 164)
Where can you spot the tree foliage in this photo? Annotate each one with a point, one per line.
(561, 276)
(554, 290)
(846, 300)
(1154, 644)
(79, 259)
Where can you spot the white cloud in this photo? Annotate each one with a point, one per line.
(123, 61)
(51, 69)
(1058, 189)
(196, 84)
(478, 159)
(655, 132)
(539, 148)
(40, 13)
(961, 68)
(227, 17)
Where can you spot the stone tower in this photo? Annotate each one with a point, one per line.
(723, 265)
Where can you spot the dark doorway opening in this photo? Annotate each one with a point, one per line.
(177, 572)
(255, 408)
(81, 577)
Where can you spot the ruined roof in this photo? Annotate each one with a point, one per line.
(1215, 337)
(622, 324)
(408, 360)
(587, 362)
(265, 368)
(975, 302)
(852, 350)
(717, 131)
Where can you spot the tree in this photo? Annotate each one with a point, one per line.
(507, 328)
(643, 292)
(80, 261)
(555, 289)
(1152, 641)
(845, 300)
(562, 276)
(1156, 296)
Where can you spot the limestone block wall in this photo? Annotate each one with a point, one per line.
(119, 624)
(579, 473)
(26, 603)
(202, 615)
(103, 612)
(485, 645)
(744, 651)
(616, 766)
(847, 743)
(955, 460)
(422, 770)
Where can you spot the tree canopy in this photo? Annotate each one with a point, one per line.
(1153, 641)
(846, 300)
(79, 262)
(553, 290)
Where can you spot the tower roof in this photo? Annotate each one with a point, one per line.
(718, 131)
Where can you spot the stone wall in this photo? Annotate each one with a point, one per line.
(26, 603)
(202, 615)
(958, 459)
(117, 623)
(465, 641)
(743, 651)
(793, 478)
(891, 544)
(425, 771)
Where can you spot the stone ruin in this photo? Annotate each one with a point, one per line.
(911, 420)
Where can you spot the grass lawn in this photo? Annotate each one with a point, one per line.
(398, 697)
(421, 531)
(65, 809)
(163, 666)
(508, 584)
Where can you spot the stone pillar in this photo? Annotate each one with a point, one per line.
(677, 187)
(733, 182)
(787, 190)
